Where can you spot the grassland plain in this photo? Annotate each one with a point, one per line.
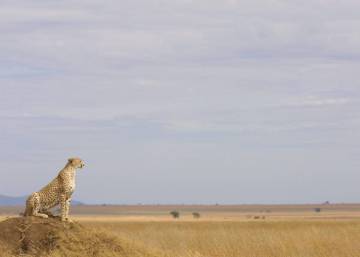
(293, 238)
(231, 231)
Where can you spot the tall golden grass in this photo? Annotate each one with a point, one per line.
(293, 238)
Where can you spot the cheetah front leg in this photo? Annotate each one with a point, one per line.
(67, 208)
(65, 205)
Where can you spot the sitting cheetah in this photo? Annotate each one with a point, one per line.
(58, 191)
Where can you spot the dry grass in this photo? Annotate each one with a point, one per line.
(245, 239)
(229, 231)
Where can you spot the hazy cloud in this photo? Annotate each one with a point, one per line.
(166, 99)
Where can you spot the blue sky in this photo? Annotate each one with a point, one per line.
(182, 101)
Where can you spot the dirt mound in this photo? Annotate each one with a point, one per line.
(30, 236)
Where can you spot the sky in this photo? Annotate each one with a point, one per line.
(182, 101)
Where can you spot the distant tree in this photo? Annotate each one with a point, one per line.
(196, 215)
(317, 209)
(175, 214)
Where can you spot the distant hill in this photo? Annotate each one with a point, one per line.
(20, 200)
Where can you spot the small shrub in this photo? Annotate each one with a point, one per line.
(175, 214)
(317, 209)
(196, 215)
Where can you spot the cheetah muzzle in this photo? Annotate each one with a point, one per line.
(58, 191)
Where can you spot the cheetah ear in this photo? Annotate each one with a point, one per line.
(70, 159)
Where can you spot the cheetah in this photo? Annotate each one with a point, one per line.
(58, 191)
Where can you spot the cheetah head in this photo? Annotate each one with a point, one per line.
(77, 163)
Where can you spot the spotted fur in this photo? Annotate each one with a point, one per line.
(58, 191)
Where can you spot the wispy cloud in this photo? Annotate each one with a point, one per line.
(188, 82)
(316, 101)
